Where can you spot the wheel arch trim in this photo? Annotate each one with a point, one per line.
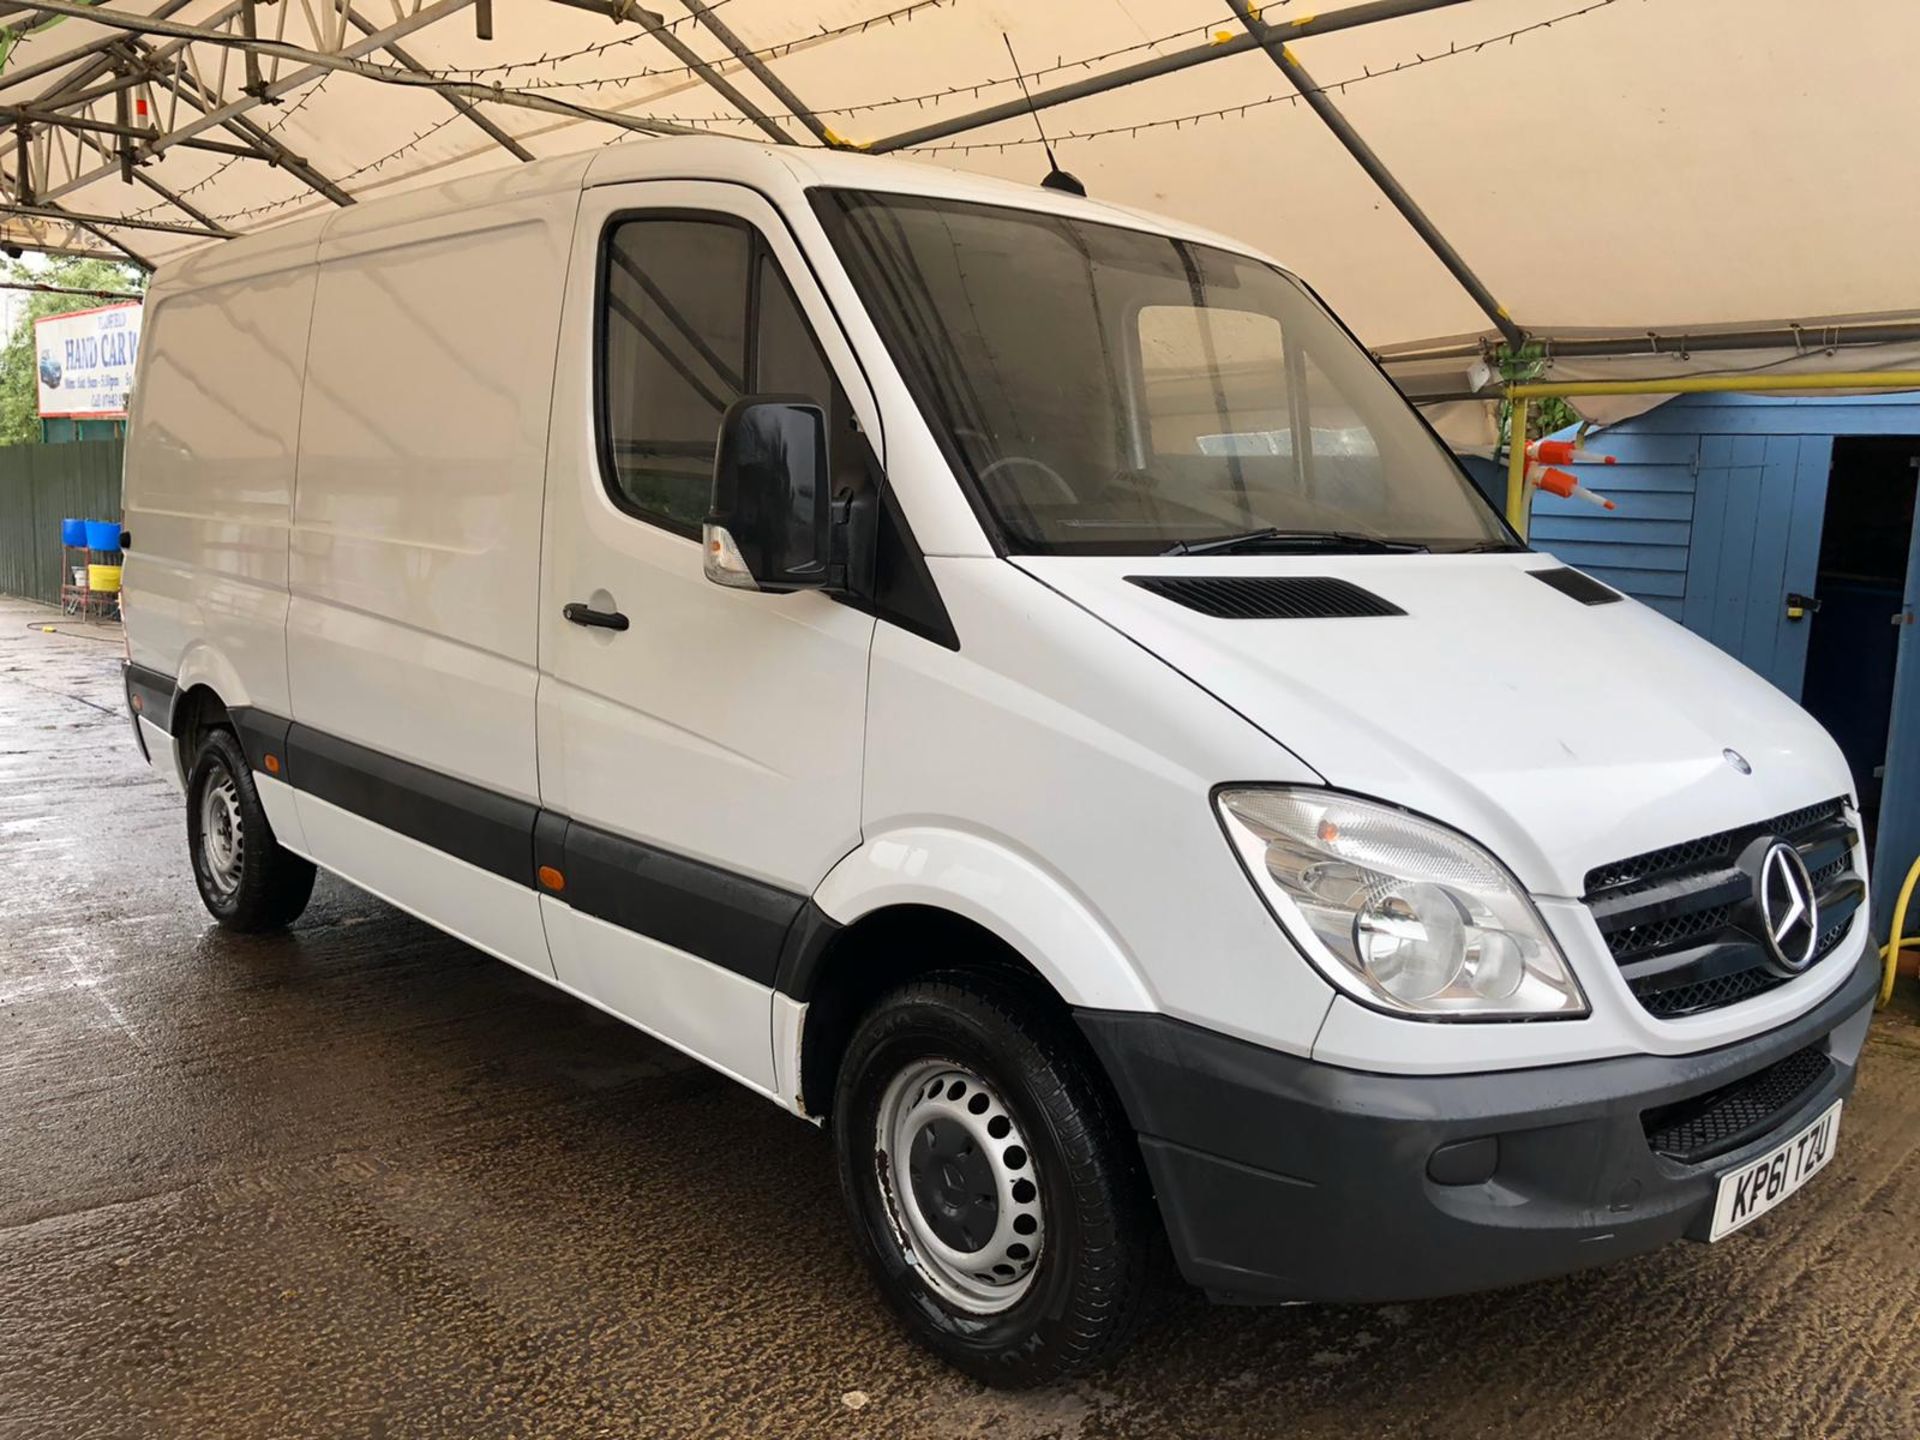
(1009, 894)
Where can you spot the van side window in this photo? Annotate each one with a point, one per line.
(786, 361)
(675, 333)
(697, 314)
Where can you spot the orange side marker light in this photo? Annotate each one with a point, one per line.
(273, 764)
(551, 879)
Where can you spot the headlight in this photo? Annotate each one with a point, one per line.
(1400, 913)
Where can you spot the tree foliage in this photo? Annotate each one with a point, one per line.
(19, 389)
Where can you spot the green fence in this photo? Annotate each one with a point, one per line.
(41, 485)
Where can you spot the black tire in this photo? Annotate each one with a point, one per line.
(247, 881)
(1090, 1283)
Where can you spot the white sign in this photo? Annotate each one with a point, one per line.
(86, 361)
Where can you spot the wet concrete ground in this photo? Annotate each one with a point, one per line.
(360, 1180)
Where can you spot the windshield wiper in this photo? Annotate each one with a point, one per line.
(1489, 547)
(1272, 539)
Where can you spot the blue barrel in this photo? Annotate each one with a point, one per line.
(73, 532)
(103, 535)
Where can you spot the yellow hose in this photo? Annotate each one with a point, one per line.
(1890, 952)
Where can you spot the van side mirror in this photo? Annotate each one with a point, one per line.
(770, 520)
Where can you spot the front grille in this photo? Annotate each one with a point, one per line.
(1709, 849)
(1672, 917)
(1709, 994)
(1675, 930)
(1734, 1115)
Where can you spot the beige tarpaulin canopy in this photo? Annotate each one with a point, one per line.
(1605, 168)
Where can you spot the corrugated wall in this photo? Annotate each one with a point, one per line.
(40, 485)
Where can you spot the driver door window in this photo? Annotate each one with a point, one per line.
(682, 299)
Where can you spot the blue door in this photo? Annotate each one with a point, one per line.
(1899, 839)
(1757, 509)
(1761, 504)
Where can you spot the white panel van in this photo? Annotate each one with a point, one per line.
(1007, 679)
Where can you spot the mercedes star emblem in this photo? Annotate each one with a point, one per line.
(1788, 909)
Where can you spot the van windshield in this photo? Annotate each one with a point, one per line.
(1111, 391)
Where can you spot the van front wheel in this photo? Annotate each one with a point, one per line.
(994, 1187)
(247, 880)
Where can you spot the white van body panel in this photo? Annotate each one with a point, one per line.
(699, 1008)
(282, 805)
(208, 488)
(1061, 747)
(164, 754)
(1008, 893)
(486, 911)
(415, 554)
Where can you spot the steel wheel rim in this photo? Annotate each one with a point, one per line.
(222, 835)
(961, 1187)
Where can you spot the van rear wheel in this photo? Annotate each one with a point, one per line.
(248, 881)
(995, 1189)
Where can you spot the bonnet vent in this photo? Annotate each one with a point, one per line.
(1576, 585)
(1267, 597)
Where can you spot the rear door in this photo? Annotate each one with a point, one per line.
(702, 762)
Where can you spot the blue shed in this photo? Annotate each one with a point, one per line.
(1781, 529)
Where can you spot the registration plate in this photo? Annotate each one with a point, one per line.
(1756, 1187)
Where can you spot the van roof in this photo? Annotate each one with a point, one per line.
(771, 168)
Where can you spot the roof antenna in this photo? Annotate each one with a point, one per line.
(1057, 179)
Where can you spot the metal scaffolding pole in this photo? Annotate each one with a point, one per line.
(47, 210)
(76, 252)
(755, 67)
(123, 222)
(210, 119)
(180, 203)
(92, 63)
(315, 64)
(1322, 105)
(1677, 344)
(1354, 15)
(261, 144)
(87, 125)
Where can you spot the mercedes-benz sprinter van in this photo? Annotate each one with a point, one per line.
(1008, 679)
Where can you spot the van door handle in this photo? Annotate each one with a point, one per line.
(579, 614)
